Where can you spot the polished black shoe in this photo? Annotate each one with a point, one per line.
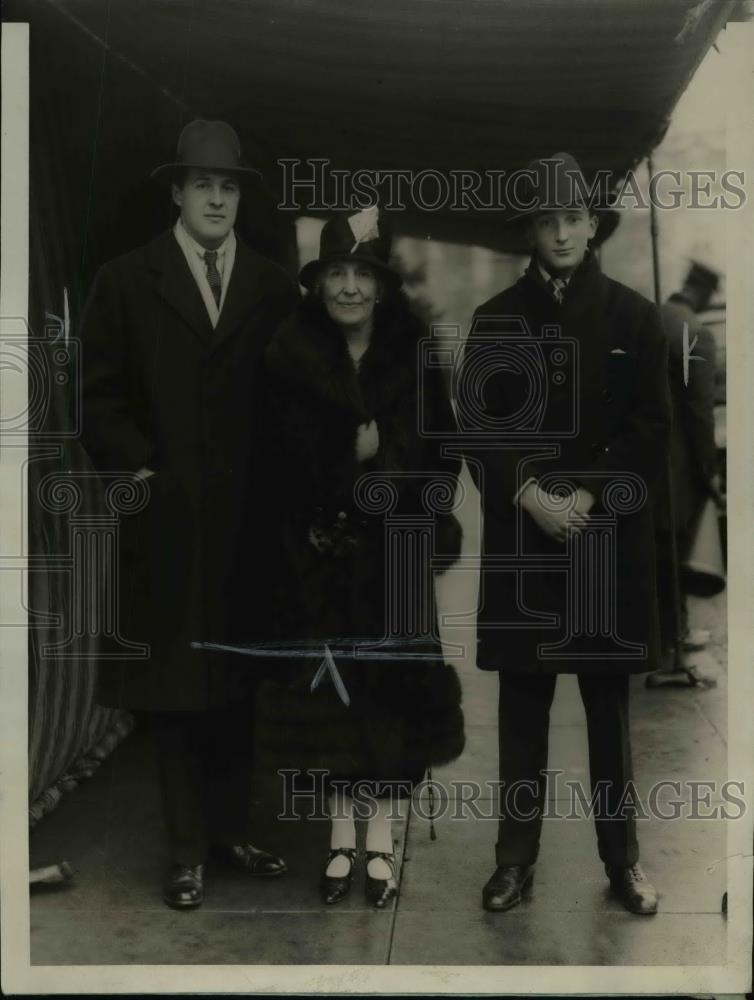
(633, 888)
(333, 888)
(506, 887)
(379, 891)
(249, 859)
(184, 887)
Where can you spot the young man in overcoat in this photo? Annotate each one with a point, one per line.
(172, 334)
(563, 401)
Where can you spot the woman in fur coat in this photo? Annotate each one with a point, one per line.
(346, 397)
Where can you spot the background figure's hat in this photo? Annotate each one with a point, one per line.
(703, 277)
(209, 146)
(364, 236)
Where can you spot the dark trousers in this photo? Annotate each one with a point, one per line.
(205, 761)
(523, 727)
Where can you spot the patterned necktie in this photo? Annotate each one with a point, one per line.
(213, 275)
(557, 287)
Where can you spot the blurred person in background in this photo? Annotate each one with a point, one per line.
(694, 474)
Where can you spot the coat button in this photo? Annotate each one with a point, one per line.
(607, 395)
(342, 515)
(317, 510)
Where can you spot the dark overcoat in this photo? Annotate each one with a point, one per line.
(327, 551)
(693, 455)
(162, 389)
(572, 394)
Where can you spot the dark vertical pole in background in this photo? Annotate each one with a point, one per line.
(675, 582)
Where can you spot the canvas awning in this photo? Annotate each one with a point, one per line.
(409, 84)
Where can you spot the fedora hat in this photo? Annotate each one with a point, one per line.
(553, 182)
(558, 182)
(208, 146)
(364, 236)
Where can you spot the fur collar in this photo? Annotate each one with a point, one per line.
(308, 352)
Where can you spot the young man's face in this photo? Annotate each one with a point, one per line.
(208, 201)
(560, 238)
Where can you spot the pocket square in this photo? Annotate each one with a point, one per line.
(617, 350)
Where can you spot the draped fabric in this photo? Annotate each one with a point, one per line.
(69, 734)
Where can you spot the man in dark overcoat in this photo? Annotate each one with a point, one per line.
(171, 335)
(694, 474)
(562, 398)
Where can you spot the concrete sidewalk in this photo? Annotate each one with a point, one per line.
(110, 830)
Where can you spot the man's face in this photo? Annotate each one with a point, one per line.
(208, 201)
(560, 238)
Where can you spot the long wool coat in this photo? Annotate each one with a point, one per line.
(327, 555)
(693, 455)
(162, 389)
(571, 394)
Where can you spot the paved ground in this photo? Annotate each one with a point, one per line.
(109, 829)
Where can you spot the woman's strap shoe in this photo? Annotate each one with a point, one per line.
(184, 887)
(336, 887)
(379, 891)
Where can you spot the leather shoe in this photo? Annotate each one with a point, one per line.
(184, 887)
(333, 888)
(250, 859)
(633, 888)
(380, 891)
(506, 887)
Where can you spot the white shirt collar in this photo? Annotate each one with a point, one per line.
(197, 247)
(548, 277)
(194, 255)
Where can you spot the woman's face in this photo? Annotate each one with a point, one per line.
(349, 290)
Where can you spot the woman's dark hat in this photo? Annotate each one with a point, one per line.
(364, 236)
(557, 181)
(208, 146)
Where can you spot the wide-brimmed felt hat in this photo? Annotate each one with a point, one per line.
(363, 236)
(207, 145)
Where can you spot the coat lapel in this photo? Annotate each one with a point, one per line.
(175, 283)
(244, 290)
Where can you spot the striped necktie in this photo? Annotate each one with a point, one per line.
(213, 275)
(557, 287)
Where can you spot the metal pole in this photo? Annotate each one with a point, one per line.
(654, 232)
(674, 577)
